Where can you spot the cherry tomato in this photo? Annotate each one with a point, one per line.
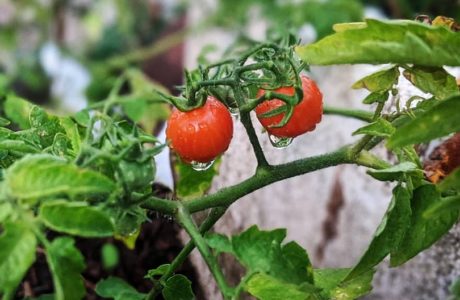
(202, 134)
(306, 114)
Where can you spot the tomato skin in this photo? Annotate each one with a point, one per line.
(202, 134)
(306, 114)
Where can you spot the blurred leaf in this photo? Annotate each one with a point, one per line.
(66, 264)
(43, 175)
(191, 183)
(266, 287)
(109, 256)
(219, 242)
(118, 289)
(388, 235)
(17, 253)
(5, 210)
(433, 80)
(452, 181)
(437, 121)
(71, 131)
(381, 127)
(18, 111)
(444, 205)
(159, 271)
(396, 172)
(379, 82)
(178, 287)
(423, 232)
(4, 122)
(381, 42)
(76, 218)
(45, 125)
(376, 97)
(330, 280)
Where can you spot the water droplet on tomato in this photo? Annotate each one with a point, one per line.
(280, 142)
(200, 166)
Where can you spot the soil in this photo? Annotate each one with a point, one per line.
(157, 244)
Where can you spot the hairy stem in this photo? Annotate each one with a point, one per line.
(186, 221)
(213, 217)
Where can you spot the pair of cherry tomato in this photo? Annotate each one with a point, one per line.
(204, 133)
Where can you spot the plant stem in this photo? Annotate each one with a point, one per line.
(186, 221)
(213, 217)
(266, 176)
(352, 113)
(259, 153)
(168, 207)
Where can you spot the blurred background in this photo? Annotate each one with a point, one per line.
(66, 54)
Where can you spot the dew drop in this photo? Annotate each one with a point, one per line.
(199, 166)
(280, 142)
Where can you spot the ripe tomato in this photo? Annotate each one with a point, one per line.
(202, 134)
(306, 114)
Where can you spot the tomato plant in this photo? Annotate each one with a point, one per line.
(90, 174)
(305, 116)
(202, 134)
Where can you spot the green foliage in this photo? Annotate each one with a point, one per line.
(118, 289)
(43, 175)
(381, 42)
(433, 80)
(396, 172)
(110, 256)
(437, 121)
(178, 287)
(17, 253)
(76, 218)
(381, 127)
(331, 282)
(423, 231)
(379, 82)
(66, 264)
(191, 183)
(451, 182)
(388, 235)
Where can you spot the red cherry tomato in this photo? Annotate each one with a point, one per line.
(202, 134)
(306, 114)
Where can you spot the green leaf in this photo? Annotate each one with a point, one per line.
(380, 42)
(219, 242)
(18, 111)
(388, 235)
(45, 125)
(61, 146)
(262, 251)
(437, 121)
(450, 182)
(265, 287)
(5, 210)
(66, 264)
(423, 232)
(76, 218)
(82, 118)
(18, 146)
(43, 175)
(381, 127)
(178, 287)
(433, 80)
(159, 271)
(455, 289)
(71, 131)
(191, 183)
(17, 253)
(376, 97)
(379, 82)
(445, 205)
(396, 172)
(330, 280)
(4, 122)
(118, 289)
(109, 256)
